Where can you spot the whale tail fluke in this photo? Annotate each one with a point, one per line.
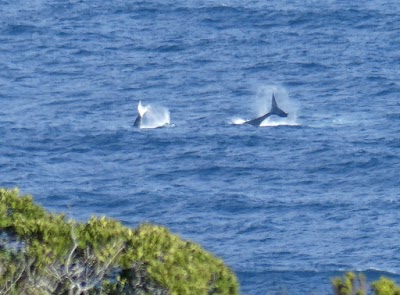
(142, 109)
(151, 116)
(275, 110)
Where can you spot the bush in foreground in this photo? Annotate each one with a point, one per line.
(45, 253)
(352, 284)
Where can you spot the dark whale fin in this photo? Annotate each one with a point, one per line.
(138, 121)
(275, 110)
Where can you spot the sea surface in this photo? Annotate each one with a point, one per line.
(288, 205)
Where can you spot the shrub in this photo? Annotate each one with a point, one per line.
(353, 285)
(44, 253)
(385, 287)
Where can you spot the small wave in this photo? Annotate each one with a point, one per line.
(378, 271)
(169, 48)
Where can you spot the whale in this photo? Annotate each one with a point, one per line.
(275, 110)
(151, 116)
(141, 111)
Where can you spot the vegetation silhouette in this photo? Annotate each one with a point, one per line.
(45, 253)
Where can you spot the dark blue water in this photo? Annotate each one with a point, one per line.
(287, 207)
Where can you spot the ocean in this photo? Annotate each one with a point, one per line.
(288, 205)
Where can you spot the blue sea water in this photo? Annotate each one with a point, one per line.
(287, 206)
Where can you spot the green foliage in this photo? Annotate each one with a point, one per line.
(9, 268)
(47, 236)
(353, 285)
(179, 266)
(350, 285)
(385, 286)
(57, 256)
(104, 236)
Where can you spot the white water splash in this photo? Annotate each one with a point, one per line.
(142, 109)
(154, 116)
(262, 105)
(237, 121)
(277, 121)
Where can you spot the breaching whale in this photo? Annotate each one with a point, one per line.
(141, 111)
(275, 110)
(151, 116)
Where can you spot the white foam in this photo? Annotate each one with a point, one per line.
(154, 116)
(274, 122)
(238, 121)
